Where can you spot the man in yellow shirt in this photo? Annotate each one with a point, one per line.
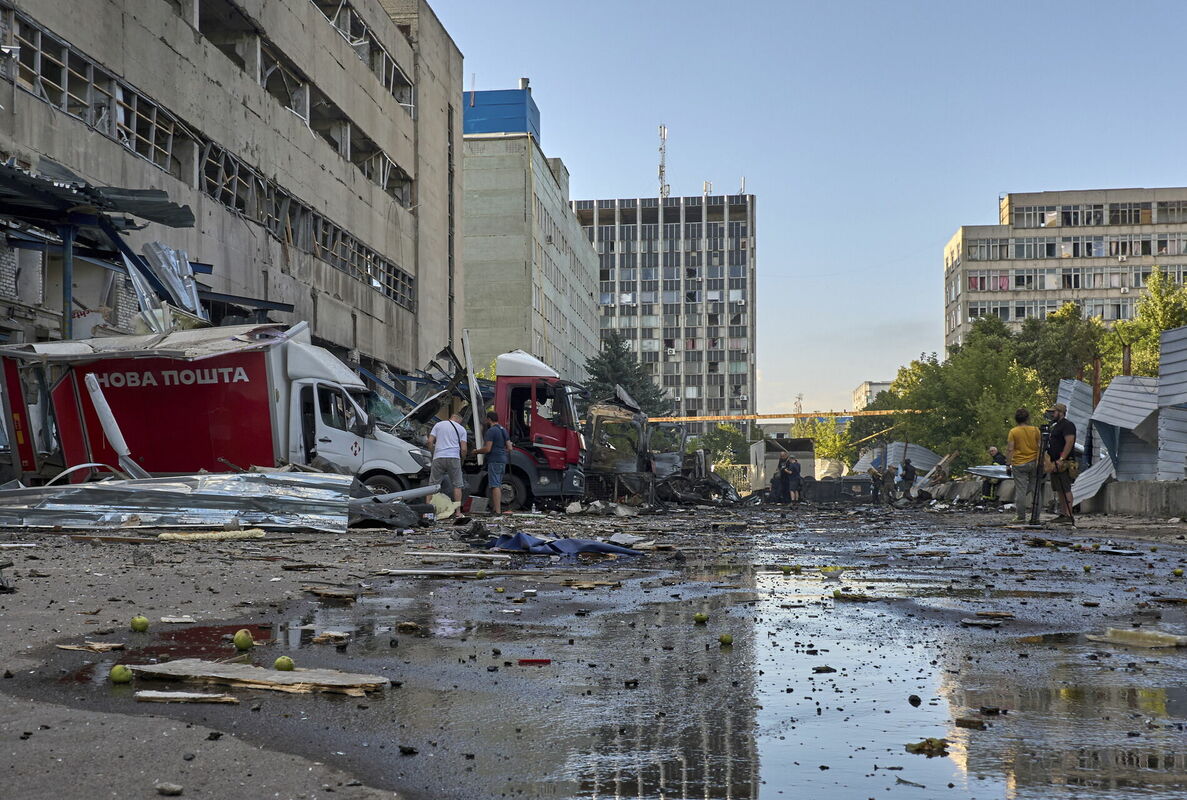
(1022, 459)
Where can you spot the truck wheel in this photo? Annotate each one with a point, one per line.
(515, 493)
(380, 483)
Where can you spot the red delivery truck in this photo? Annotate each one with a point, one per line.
(206, 399)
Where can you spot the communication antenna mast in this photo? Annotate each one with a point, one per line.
(664, 189)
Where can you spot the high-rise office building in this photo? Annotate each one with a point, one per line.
(677, 281)
(531, 274)
(1096, 248)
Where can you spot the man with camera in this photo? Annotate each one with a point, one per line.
(1061, 461)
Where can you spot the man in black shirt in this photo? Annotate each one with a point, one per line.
(1061, 446)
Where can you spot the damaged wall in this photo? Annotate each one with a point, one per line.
(342, 148)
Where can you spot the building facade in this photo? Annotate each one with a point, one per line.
(864, 394)
(1096, 248)
(314, 141)
(676, 279)
(531, 273)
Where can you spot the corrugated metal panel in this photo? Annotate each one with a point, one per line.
(1130, 403)
(921, 457)
(1090, 480)
(1077, 396)
(1172, 370)
(1138, 459)
(1172, 443)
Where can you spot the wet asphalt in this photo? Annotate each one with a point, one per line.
(934, 627)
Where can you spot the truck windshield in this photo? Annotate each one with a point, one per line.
(379, 410)
(569, 408)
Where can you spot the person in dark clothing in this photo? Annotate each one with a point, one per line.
(907, 477)
(1061, 446)
(989, 485)
(779, 487)
(795, 482)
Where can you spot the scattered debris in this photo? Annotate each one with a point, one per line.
(184, 697)
(212, 536)
(303, 681)
(93, 647)
(971, 723)
(183, 620)
(981, 623)
(1139, 638)
(929, 747)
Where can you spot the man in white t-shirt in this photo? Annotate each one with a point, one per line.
(448, 442)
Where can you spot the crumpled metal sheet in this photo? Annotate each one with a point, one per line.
(291, 500)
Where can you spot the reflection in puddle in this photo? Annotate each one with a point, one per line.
(627, 696)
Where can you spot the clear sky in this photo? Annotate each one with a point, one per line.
(869, 132)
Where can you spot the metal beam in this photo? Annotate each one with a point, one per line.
(66, 232)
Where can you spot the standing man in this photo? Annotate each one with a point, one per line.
(1061, 448)
(778, 493)
(795, 481)
(989, 485)
(888, 481)
(497, 450)
(448, 442)
(908, 477)
(1022, 461)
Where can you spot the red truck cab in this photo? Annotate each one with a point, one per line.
(538, 410)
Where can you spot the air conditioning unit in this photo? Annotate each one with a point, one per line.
(745, 398)
(1121, 259)
(1124, 290)
(671, 351)
(740, 302)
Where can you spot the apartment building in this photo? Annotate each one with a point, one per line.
(531, 273)
(1096, 248)
(864, 394)
(314, 140)
(676, 279)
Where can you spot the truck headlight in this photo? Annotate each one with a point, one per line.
(422, 457)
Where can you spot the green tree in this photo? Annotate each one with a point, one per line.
(829, 440)
(724, 443)
(616, 364)
(1163, 306)
(968, 401)
(1060, 345)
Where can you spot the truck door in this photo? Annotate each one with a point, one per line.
(335, 422)
(548, 423)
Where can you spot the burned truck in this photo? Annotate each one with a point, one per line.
(634, 458)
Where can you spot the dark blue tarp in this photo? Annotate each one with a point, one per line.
(559, 547)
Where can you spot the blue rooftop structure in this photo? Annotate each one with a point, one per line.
(501, 111)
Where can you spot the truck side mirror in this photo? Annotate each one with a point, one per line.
(363, 427)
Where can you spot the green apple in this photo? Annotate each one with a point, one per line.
(243, 639)
(120, 674)
(284, 664)
(725, 639)
(139, 624)
(700, 618)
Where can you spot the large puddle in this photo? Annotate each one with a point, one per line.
(618, 692)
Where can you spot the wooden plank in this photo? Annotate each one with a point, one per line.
(93, 647)
(298, 681)
(79, 537)
(184, 697)
(435, 554)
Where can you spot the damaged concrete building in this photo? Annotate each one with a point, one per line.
(315, 141)
(1096, 248)
(531, 274)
